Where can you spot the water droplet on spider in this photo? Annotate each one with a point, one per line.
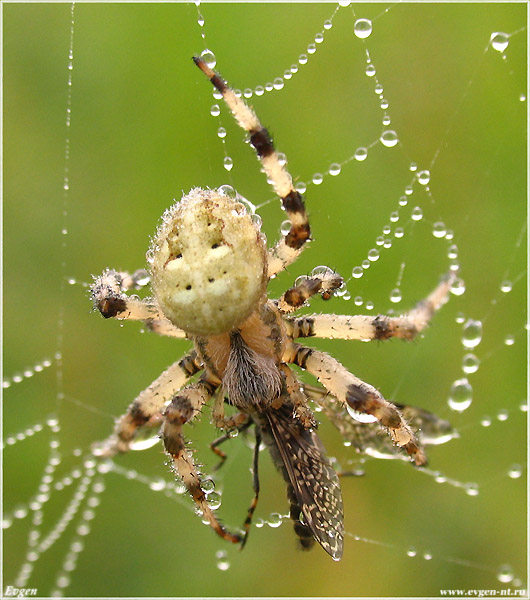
(505, 574)
(360, 154)
(317, 178)
(472, 489)
(311, 48)
(213, 500)
(321, 270)
(470, 363)
(461, 395)
(471, 333)
(334, 169)
(221, 132)
(499, 41)
(458, 286)
(256, 219)
(424, 177)
(515, 471)
(395, 295)
(506, 286)
(209, 58)
(228, 163)
(389, 138)
(360, 417)
(285, 227)
(362, 28)
(438, 229)
(370, 70)
(357, 272)
(373, 254)
(282, 159)
(274, 520)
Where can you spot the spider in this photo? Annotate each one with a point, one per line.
(209, 269)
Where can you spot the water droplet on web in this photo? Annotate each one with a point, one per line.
(502, 415)
(399, 232)
(365, 264)
(221, 132)
(506, 286)
(259, 91)
(344, 3)
(328, 24)
(472, 489)
(247, 93)
(424, 177)
(209, 58)
(360, 417)
(378, 89)
(471, 333)
(317, 178)
(215, 111)
(319, 38)
(300, 187)
(395, 295)
(360, 154)
(334, 169)
(311, 48)
(386, 120)
(458, 287)
(411, 551)
(505, 574)
(470, 363)
(509, 340)
(461, 395)
(427, 556)
(515, 471)
(228, 163)
(416, 214)
(274, 520)
(373, 254)
(485, 421)
(394, 217)
(403, 201)
(302, 59)
(384, 103)
(217, 94)
(370, 70)
(499, 41)
(222, 562)
(389, 138)
(278, 83)
(438, 229)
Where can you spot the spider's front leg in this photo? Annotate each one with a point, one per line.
(356, 394)
(184, 407)
(108, 295)
(146, 410)
(325, 284)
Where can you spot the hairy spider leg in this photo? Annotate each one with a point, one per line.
(290, 245)
(380, 327)
(146, 409)
(184, 407)
(358, 395)
(296, 296)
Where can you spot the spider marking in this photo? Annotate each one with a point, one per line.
(209, 269)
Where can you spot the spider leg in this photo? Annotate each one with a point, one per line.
(290, 246)
(354, 393)
(146, 409)
(183, 408)
(301, 410)
(107, 294)
(380, 327)
(214, 446)
(324, 284)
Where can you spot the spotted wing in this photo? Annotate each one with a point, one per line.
(313, 483)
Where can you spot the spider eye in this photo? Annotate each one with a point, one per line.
(221, 273)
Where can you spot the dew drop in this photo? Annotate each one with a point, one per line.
(319, 38)
(360, 417)
(515, 471)
(461, 395)
(395, 295)
(399, 232)
(317, 178)
(334, 169)
(278, 83)
(209, 58)
(370, 70)
(386, 120)
(452, 251)
(458, 286)
(502, 415)
(247, 93)
(300, 187)
(394, 217)
(344, 3)
(471, 333)
(470, 363)
(228, 191)
(509, 340)
(358, 301)
(275, 520)
(505, 574)
(311, 48)
(365, 264)
(259, 91)
(285, 227)
(485, 421)
(427, 556)
(213, 500)
(228, 163)
(357, 272)
(438, 229)
(506, 286)
(424, 177)
(403, 201)
(389, 138)
(222, 563)
(411, 551)
(328, 24)
(373, 254)
(383, 104)
(360, 154)
(472, 489)
(221, 132)
(302, 59)
(416, 214)
(499, 41)
(215, 111)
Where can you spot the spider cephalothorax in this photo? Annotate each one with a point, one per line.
(209, 268)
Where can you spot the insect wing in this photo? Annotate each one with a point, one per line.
(313, 479)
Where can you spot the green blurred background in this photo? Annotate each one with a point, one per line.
(141, 135)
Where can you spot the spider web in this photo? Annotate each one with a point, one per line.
(106, 121)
